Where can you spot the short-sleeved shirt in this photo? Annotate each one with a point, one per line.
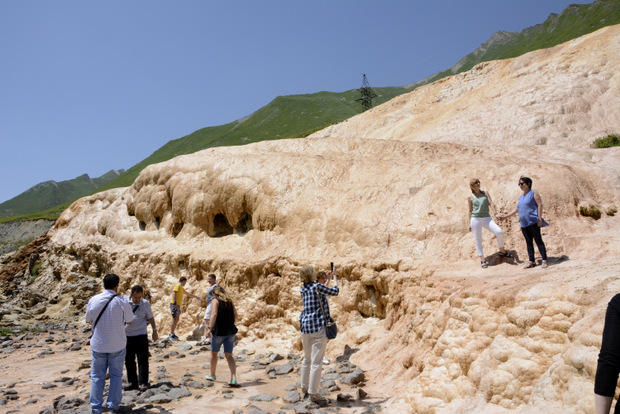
(210, 297)
(109, 334)
(141, 314)
(179, 292)
(311, 318)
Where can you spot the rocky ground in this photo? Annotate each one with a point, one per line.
(49, 373)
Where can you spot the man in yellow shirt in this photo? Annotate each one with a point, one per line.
(175, 304)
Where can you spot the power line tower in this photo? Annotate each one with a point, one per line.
(367, 95)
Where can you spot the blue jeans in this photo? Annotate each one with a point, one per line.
(100, 364)
(228, 341)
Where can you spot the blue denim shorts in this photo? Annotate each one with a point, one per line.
(228, 341)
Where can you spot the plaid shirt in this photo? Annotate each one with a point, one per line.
(311, 318)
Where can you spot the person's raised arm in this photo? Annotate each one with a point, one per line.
(512, 213)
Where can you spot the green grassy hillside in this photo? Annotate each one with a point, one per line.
(284, 117)
(51, 193)
(300, 115)
(575, 21)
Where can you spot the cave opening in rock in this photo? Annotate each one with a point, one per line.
(221, 226)
(244, 224)
(142, 225)
(176, 229)
(157, 222)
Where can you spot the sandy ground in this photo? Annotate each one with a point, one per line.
(26, 372)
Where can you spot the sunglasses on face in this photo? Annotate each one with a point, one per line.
(520, 184)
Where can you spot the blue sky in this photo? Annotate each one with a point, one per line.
(90, 86)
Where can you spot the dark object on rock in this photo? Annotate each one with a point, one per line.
(343, 397)
(360, 394)
(348, 351)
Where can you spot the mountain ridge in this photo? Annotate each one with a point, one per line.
(300, 115)
(48, 194)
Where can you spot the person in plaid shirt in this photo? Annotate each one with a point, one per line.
(312, 324)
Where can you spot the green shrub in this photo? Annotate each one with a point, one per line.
(612, 140)
(611, 212)
(4, 331)
(591, 211)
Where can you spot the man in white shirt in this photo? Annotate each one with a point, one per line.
(138, 340)
(108, 313)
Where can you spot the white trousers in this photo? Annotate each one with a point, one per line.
(487, 222)
(314, 350)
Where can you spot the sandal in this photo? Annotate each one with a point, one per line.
(232, 382)
(544, 264)
(484, 264)
(210, 378)
(530, 265)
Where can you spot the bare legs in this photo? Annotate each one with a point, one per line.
(232, 365)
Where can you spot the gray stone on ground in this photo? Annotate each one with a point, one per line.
(360, 394)
(343, 397)
(285, 369)
(252, 409)
(355, 377)
(264, 397)
(292, 397)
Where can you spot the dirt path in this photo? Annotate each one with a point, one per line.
(39, 367)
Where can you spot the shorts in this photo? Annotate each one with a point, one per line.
(175, 310)
(228, 341)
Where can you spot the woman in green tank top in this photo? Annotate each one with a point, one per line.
(479, 203)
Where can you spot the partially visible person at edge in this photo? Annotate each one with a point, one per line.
(109, 313)
(206, 340)
(175, 305)
(313, 337)
(479, 203)
(530, 209)
(138, 340)
(222, 325)
(321, 277)
(608, 368)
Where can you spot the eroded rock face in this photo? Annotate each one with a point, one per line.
(390, 210)
(563, 96)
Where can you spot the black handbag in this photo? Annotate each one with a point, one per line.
(331, 329)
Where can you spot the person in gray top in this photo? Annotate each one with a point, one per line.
(138, 341)
(206, 339)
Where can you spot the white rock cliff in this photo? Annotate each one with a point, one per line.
(383, 195)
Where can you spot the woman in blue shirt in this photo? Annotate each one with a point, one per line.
(312, 323)
(530, 209)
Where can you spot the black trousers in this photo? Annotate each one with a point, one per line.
(532, 234)
(608, 366)
(137, 347)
